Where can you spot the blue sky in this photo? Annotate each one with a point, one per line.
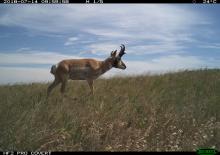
(158, 37)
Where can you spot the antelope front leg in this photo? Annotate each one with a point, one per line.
(90, 82)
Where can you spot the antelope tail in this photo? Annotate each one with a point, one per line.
(53, 69)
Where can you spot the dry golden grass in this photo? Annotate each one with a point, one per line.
(171, 112)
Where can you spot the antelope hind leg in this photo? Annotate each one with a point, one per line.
(52, 86)
(90, 82)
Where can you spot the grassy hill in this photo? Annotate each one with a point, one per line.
(171, 112)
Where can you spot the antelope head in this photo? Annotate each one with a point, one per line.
(116, 59)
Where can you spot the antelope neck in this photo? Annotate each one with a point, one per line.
(105, 66)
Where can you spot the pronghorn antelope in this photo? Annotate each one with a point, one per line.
(84, 69)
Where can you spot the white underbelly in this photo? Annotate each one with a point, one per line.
(83, 73)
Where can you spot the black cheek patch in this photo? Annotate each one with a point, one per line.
(115, 63)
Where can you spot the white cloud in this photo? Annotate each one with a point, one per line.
(145, 28)
(23, 49)
(168, 47)
(109, 32)
(33, 57)
(158, 65)
(146, 21)
(71, 41)
(210, 45)
(103, 48)
(24, 75)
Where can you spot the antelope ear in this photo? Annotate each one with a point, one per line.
(113, 53)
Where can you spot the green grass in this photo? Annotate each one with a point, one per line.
(170, 112)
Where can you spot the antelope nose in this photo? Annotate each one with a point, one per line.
(124, 67)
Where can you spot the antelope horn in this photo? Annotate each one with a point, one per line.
(122, 51)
